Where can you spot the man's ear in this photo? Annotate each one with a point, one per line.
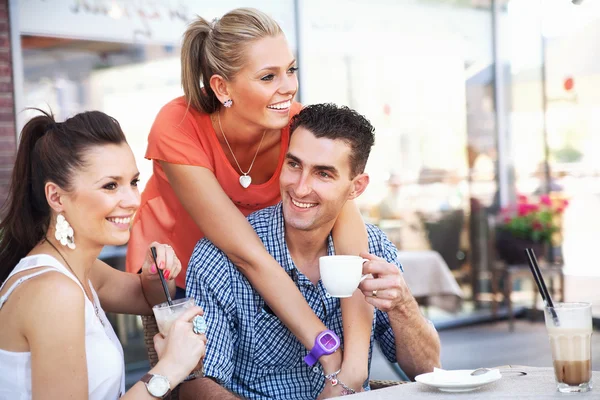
(54, 196)
(359, 184)
(219, 85)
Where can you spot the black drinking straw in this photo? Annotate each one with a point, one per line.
(539, 280)
(162, 277)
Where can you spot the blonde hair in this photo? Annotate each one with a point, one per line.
(218, 48)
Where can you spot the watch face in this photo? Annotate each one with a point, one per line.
(158, 386)
(328, 342)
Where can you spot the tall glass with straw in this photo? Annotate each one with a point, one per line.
(166, 313)
(569, 327)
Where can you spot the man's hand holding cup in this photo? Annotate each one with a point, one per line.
(387, 290)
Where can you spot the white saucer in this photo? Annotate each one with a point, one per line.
(457, 380)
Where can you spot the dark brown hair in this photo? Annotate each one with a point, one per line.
(48, 152)
(218, 48)
(334, 122)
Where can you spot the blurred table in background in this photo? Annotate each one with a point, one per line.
(430, 280)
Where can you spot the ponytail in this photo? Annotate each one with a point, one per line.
(193, 59)
(25, 213)
(219, 48)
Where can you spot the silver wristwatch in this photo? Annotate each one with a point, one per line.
(158, 386)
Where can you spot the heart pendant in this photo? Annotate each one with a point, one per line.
(245, 181)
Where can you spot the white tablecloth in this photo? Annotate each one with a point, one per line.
(427, 275)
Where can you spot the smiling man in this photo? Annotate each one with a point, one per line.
(250, 353)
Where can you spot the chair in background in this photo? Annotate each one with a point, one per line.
(505, 275)
(508, 274)
(444, 236)
(380, 384)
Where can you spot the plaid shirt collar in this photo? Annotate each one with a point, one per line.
(277, 226)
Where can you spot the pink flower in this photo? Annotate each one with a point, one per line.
(560, 210)
(521, 199)
(523, 209)
(537, 226)
(506, 219)
(565, 203)
(533, 207)
(545, 199)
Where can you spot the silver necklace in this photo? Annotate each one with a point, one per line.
(245, 179)
(73, 272)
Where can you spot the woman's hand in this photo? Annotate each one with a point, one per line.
(182, 349)
(166, 259)
(330, 391)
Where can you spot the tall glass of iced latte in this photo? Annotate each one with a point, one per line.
(570, 341)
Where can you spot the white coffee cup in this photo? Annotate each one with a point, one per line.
(341, 274)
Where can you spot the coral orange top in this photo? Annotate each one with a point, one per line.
(182, 135)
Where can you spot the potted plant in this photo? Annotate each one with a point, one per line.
(533, 223)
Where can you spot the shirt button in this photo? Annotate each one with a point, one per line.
(327, 295)
(316, 370)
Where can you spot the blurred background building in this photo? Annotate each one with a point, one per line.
(474, 102)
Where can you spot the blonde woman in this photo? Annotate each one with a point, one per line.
(218, 153)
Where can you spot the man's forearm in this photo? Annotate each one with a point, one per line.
(204, 389)
(417, 342)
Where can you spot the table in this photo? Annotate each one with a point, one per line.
(539, 383)
(428, 276)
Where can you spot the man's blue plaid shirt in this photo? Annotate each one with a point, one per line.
(249, 351)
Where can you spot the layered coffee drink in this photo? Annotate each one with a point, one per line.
(570, 330)
(573, 373)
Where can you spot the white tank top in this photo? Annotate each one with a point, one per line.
(104, 354)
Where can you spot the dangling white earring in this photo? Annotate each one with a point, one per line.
(64, 232)
(227, 103)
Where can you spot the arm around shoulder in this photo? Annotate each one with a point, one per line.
(223, 224)
(213, 212)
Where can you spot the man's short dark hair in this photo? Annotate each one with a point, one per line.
(330, 121)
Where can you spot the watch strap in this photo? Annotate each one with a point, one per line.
(310, 359)
(146, 379)
(318, 349)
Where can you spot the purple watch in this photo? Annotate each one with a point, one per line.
(327, 342)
